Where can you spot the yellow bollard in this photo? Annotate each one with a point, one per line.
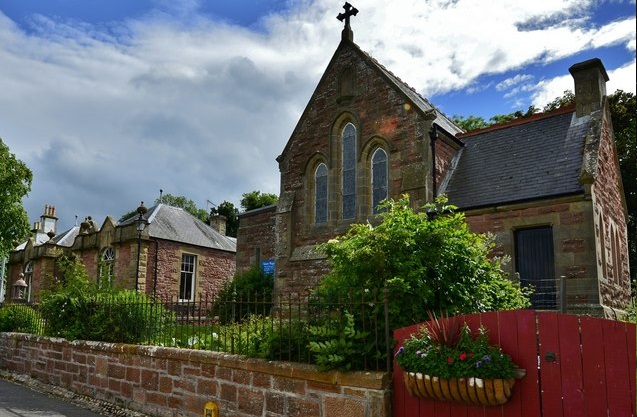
(211, 410)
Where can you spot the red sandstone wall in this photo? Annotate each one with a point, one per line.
(609, 206)
(573, 240)
(214, 267)
(255, 235)
(169, 382)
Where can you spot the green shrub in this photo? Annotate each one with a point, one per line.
(77, 309)
(20, 318)
(248, 293)
(336, 344)
(427, 260)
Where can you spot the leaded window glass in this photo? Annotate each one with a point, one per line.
(320, 194)
(28, 278)
(379, 178)
(107, 264)
(349, 172)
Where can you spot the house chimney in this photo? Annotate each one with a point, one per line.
(218, 222)
(48, 220)
(590, 86)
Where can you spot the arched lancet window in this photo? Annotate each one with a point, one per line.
(616, 257)
(107, 264)
(602, 245)
(320, 194)
(28, 278)
(348, 172)
(379, 178)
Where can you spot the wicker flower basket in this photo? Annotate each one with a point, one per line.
(476, 391)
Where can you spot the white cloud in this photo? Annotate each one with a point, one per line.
(106, 116)
(510, 82)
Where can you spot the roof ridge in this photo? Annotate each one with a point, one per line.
(390, 72)
(518, 121)
(402, 84)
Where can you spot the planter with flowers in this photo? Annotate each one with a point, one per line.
(446, 361)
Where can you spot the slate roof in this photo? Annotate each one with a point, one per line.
(175, 224)
(541, 158)
(62, 239)
(68, 237)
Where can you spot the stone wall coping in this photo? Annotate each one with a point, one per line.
(359, 379)
(565, 199)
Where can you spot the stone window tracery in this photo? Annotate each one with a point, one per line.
(107, 266)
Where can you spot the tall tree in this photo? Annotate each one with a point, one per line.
(256, 199)
(231, 213)
(623, 110)
(15, 183)
(184, 203)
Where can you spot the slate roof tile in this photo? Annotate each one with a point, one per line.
(534, 160)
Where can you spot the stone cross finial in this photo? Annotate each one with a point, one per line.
(349, 11)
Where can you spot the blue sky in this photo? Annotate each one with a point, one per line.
(109, 101)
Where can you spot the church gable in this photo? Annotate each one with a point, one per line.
(359, 117)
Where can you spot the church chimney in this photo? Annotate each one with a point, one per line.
(590, 86)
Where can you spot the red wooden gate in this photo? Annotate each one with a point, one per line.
(576, 366)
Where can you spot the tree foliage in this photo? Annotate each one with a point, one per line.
(623, 110)
(15, 183)
(257, 199)
(428, 264)
(231, 213)
(470, 123)
(184, 203)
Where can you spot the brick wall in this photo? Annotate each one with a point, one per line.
(255, 237)
(179, 382)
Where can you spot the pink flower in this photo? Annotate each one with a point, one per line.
(463, 356)
(449, 359)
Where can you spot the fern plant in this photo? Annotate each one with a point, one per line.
(338, 346)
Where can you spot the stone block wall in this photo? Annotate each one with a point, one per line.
(571, 220)
(179, 382)
(611, 226)
(255, 237)
(163, 259)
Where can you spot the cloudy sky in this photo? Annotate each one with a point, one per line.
(108, 102)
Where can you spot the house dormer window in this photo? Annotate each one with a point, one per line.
(320, 194)
(348, 172)
(379, 178)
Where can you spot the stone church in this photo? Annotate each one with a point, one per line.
(547, 186)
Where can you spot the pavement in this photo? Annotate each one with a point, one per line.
(21, 396)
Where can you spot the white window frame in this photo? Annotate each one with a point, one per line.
(188, 272)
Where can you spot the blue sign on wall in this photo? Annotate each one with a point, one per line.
(267, 267)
